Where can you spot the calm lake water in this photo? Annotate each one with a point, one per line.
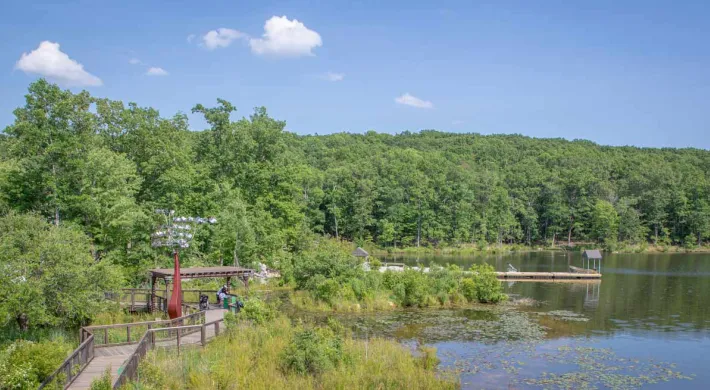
(646, 324)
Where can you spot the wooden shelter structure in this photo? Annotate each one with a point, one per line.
(592, 257)
(359, 252)
(168, 274)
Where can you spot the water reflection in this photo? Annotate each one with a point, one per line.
(666, 291)
(650, 306)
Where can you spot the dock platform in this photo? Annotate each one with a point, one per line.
(547, 276)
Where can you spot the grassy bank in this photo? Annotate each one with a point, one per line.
(275, 354)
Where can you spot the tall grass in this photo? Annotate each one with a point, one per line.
(251, 356)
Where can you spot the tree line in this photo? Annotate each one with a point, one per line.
(101, 167)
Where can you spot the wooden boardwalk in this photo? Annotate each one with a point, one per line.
(113, 357)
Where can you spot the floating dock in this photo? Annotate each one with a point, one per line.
(541, 276)
(514, 276)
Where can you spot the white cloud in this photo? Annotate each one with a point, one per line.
(221, 37)
(155, 71)
(285, 37)
(191, 38)
(409, 100)
(330, 76)
(135, 61)
(48, 61)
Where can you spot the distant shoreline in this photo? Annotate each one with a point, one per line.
(490, 250)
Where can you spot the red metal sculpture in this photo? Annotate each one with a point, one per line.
(175, 304)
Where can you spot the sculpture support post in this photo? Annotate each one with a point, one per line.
(175, 304)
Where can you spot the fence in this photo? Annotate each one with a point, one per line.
(114, 335)
(173, 337)
(74, 364)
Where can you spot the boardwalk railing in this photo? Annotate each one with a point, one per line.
(136, 299)
(112, 335)
(172, 338)
(73, 365)
(122, 334)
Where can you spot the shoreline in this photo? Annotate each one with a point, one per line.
(507, 249)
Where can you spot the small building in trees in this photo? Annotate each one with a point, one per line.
(359, 252)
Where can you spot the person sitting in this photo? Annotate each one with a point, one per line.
(222, 293)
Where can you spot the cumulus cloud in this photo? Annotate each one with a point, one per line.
(284, 37)
(330, 76)
(48, 61)
(409, 100)
(155, 71)
(221, 37)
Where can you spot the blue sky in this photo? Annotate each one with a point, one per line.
(614, 72)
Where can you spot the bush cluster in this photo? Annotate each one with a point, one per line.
(312, 351)
(331, 276)
(443, 286)
(25, 364)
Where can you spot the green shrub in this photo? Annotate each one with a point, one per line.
(25, 364)
(258, 311)
(487, 286)
(690, 242)
(103, 382)
(322, 288)
(468, 289)
(230, 320)
(375, 264)
(328, 258)
(312, 351)
(412, 289)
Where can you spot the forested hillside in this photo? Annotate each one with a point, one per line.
(103, 167)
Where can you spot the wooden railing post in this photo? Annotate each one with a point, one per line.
(128, 334)
(105, 335)
(203, 334)
(216, 328)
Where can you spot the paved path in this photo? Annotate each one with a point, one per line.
(113, 357)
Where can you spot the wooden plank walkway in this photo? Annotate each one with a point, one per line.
(114, 357)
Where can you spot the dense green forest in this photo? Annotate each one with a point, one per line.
(102, 167)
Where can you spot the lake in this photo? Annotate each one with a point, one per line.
(646, 324)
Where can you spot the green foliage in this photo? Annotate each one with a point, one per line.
(604, 222)
(410, 288)
(375, 264)
(486, 284)
(324, 289)
(468, 289)
(258, 311)
(279, 355)
(25, 364)
(80, 176)
(104, 382)
(49, 276)
(324, 259)
(312, 351)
